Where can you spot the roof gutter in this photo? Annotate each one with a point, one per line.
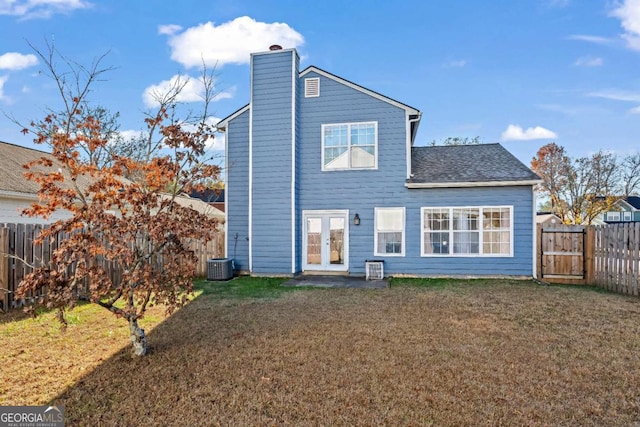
(414, 128)
(19, 195)
(471, 184)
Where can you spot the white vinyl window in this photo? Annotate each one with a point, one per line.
(389, 231)
(350, 146)
(613, 216)
(312, 87)
(467, 231)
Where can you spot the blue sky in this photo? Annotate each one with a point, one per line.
(523, 73)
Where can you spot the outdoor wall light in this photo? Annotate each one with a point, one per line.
(356, 220)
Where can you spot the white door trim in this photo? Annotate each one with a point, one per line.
(325, 265)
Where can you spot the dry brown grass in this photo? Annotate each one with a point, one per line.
(457, 353)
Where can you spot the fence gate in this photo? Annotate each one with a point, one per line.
(562, 256)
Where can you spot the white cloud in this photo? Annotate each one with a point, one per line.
(231, 42)
(455, 63)
(193, 91)
(130, 134)
(591, 39)
(17, 61)
(28, 9)
(629, 14)
(616, 95)
(516, 133)
(3, 97)
(217, 143)
(635, 110)
(169, 30)
(589, 61)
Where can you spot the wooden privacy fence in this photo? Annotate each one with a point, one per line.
(604, 255)
(617, 257)
(17, 241)
(564, 254)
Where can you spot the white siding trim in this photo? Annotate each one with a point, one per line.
(407, 130)
(480, 230)
(534, 250)
(250, 219)
(470, 184)
(293, 163)
(360, 89)
(222, 124)
(226, 192)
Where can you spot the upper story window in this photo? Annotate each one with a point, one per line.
(312, 87)
(473, 231)
(350, 146)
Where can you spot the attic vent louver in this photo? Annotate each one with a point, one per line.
(312, 87)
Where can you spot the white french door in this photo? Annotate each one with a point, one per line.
(325, 242)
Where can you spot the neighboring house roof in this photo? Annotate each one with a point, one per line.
(12, 180)
(467, 166)
(543, 217)
(201, 207)
(210, 195)
(633, 201)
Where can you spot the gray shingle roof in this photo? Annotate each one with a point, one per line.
(12, 157)
(466, 163)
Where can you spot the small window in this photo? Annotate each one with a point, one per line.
(626, 216)
(350, 146)
(312, 87)
(613, 216)
(389, 235)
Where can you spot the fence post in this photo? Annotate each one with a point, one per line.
(589, 258)
(4, 269)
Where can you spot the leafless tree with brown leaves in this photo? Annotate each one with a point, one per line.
(135, 224)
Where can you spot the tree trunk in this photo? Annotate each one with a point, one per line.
(138, 338)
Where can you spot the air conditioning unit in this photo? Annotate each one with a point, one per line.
(219, 269)
(374, 270)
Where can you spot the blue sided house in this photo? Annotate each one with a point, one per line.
(322, 176)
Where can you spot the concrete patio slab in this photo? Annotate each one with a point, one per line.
(337, 282)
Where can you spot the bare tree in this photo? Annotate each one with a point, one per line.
(579, 189)
(630, 174)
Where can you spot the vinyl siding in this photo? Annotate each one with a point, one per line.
(11, 212)
(358, 191)
(237, 191)
(271, 106)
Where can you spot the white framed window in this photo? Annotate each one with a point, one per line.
(389, 226)
(312, 87)
(350, 146)
(626, 216)
(467, 231)
(613, 216)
